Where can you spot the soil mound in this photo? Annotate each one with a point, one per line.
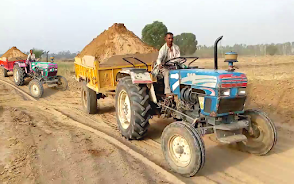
(13, 53)
(117, 40)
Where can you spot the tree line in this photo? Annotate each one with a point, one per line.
(153, 34)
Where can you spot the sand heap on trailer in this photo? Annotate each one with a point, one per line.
(117, 40)
(13, 54)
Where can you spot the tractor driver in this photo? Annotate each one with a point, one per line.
(31, 58)
(168, 51)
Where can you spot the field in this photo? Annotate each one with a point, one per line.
(40, 141)
(271, 87)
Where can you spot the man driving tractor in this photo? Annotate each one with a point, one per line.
(31, 58)
(168, 51)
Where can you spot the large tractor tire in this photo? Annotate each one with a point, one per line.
(261, 137)
(132, 108)
(5, 72)
(62, 83)
(183, 148)
(36, 88)
(89, 99)
(18, 75)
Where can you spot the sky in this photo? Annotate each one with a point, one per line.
(60, 25)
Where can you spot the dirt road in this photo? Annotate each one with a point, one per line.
(38, 146)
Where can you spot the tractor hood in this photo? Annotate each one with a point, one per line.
(210, 78)
(44, 65)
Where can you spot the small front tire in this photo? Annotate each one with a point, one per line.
(263, 135)
(36, 88)
(183, 149)
(62, 83)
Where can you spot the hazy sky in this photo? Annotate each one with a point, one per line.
(57, 25)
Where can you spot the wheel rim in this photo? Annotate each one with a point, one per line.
(255, 139)
(35, 89)
(124, 109)
(84, 93)
(16, 74)
(180, 150)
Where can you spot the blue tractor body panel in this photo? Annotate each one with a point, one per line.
(211, 82)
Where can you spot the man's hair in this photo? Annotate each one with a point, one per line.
(169, 33)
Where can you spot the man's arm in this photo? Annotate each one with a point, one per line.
(161, 56)
(28, 58)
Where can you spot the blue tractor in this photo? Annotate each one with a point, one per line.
(206, 101)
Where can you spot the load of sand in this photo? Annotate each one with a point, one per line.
(117, 40)
(13, 54)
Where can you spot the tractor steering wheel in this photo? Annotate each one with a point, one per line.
(177, 62)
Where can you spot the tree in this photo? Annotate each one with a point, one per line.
(187, 43)
(271, 49)
(38, 52)
(153, 34)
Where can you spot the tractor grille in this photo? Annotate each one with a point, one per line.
(231, 105)
(51, 74)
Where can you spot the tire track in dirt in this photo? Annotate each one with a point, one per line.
(69, 121)
(224, 164)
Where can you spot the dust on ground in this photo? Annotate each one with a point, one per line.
(269, 78)
(35, 147)
(117, 40)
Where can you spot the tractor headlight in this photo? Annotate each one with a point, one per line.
(242, 91)
(225, 92)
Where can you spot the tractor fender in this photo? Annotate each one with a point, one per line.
(138, 76)
(20, 64)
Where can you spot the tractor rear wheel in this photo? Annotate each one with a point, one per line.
(5, 72)
(89, 99)
(132, 108)
(262, 135)
(62, 83)
(36, 88)
(183, 148)
(18, 75)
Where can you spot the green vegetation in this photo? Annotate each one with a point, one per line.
(65, 68)
(187, 43)
(153, 34)
(38, 52)
(271, 50)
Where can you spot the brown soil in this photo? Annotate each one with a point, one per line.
(63, 154)
(14, 53)
(117, 40)
(36, 147)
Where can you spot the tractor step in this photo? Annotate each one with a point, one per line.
(232, 139)
(233, 126)
(51, 85)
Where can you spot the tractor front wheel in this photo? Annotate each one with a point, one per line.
(5, 72)
(36, 88)
(89, 99)
(183, 148)
(18, 75)
(261, 136)
(62, 83)
(132, 108)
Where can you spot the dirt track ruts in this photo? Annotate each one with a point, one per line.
(223, 165)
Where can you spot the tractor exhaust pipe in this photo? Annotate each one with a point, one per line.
(215, 52)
